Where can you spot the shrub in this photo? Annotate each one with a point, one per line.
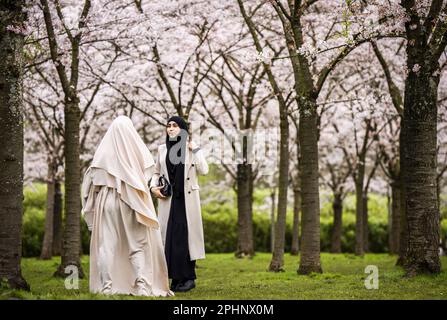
(444, 234)
(33, 227)
(32, 232)
(35, 197)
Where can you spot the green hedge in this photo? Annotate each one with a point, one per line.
(34, 222)
(444, 234)
(221, 234)
(220, 226)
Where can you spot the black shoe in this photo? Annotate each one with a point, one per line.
(186, 286)
(174, 284)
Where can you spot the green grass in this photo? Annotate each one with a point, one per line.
(221, 276)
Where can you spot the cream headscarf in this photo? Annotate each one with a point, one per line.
(122, 161)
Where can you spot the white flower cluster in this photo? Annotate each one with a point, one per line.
(20, 30)
(416, 68)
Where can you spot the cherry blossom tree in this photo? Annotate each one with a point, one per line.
(296, 184)
(426, 35)
(336, 160)
(389, 140)
(12, 29)
(277, 261)
(425, 30)
(315, 47)
(45, 127)
(69, 28)
(239, 86)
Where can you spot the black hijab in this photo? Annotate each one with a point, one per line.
(175, 156)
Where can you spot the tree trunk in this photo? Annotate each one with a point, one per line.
(394, 235)
(420, 112)
(57, 220)
(71, 236)
(389, 218)
(337, 206)
(277, 261)
(310, 217)
(11, 139)
(47, 244)
(365, 222)
(272, 220)
(403, 234)
(245, 247)
(359, 214)
(295, 248)
(438, 194)
(438, 198)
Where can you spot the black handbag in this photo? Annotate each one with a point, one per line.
(166, 188)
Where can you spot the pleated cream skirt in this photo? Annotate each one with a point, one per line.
(124, 251)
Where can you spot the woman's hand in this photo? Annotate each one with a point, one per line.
(156, 192)
(192, 145)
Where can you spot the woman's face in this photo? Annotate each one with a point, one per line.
(172, 129)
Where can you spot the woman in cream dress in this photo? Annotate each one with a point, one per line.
(126, 249)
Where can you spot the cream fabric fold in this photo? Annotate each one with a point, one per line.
(128, 166)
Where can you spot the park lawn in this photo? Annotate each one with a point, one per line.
(222, 276)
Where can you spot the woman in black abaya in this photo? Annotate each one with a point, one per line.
(180, 215)
(180, 267)
(180, 161)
